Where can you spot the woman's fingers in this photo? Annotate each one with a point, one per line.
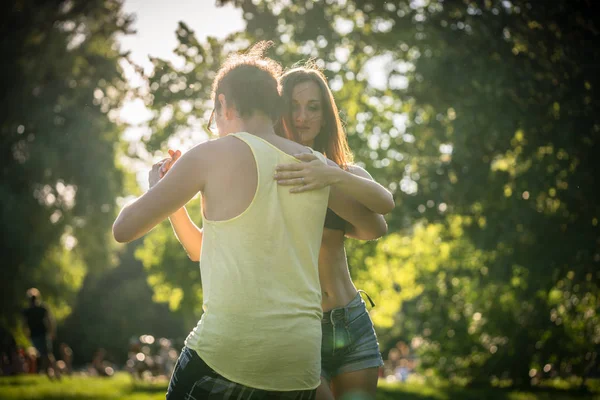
(164, 168)
(289, 175)
(289, 167)
(167, 163)
(306, 188)
(291, 182)
(159, 164)
(175, 154)
(307, 157)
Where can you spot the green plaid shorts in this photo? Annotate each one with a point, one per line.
(192, 379)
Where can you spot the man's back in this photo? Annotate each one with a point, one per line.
(36, 316)
(259, 270)
(232, 182)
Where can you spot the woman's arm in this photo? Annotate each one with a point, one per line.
(188, 234)
(345, 200)
(356, 183)
(359, 184)
(167, 195)
(362, 223)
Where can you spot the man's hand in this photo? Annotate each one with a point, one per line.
(162, 167)
(311, 174)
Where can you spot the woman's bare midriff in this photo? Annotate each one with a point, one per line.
(336, 284)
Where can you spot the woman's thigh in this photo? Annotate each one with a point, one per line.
(356, 385)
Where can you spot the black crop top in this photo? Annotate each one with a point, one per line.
(334, 221)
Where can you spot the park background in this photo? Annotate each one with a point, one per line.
(481, 117)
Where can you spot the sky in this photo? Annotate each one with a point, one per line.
(155, 23)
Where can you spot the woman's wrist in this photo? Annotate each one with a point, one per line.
(337, 175)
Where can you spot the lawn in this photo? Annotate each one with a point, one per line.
(122, 387)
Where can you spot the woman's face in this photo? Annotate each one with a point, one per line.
(307, 111)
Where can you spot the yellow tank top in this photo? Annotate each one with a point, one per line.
(261, 325)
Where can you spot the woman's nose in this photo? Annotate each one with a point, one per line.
(300, 116)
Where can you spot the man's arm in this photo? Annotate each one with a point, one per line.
(362, 223)
(186, 178)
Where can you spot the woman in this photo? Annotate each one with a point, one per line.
(350, 352)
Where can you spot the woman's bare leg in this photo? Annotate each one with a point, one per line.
(356, 385)
(323, 391)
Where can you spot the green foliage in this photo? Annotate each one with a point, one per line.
(180, 99)
(114, 307)
(61, 86)
(432, 286)
(481, 118)
(174, 279)
(486, 112)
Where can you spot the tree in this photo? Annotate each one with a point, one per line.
(487, 112)
(62, 84)
(484, 113)
(115, 306)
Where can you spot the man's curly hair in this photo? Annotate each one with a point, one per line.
(251, 82)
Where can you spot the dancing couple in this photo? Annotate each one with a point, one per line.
(282, 317)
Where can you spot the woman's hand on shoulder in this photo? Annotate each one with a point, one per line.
(310, 174)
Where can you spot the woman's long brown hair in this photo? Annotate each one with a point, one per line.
(331, 139)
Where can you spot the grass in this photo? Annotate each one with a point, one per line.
(415, 391)
(122, 387)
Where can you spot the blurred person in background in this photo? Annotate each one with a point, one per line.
(66, 361)
(11, 362)
(40, 327)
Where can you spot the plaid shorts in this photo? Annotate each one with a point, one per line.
(192, 379)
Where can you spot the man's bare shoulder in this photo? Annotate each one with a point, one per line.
(290, 146)
(216, 148)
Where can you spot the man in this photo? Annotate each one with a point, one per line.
(40, 327)
(260, 333)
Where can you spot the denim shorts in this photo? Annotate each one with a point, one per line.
(349, 342)
(193, 379)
